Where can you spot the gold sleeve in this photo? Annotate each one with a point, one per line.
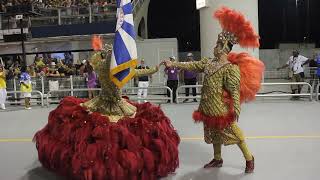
(197, 66)
(145, 72)
(232, 85)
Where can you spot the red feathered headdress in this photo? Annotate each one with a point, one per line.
(96, 43)
(236, 29)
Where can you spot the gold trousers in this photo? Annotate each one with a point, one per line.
(230, 135)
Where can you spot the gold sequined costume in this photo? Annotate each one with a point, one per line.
(223, 89)
(109, 102)
(219, 77)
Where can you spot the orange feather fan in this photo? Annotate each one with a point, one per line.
(96, 43)
(251, 71)
(234, 22)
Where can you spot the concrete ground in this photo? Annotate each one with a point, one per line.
(284, 137)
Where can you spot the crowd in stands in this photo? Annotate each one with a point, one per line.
(43, 66)
(55, 3)
(46, 66)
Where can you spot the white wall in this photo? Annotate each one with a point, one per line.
(274, 58)
(156, 50)
(210, 27)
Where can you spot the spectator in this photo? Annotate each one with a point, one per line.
(16, 71)
(3, 92)
(31, 71)
(318, 64)
(26, 87)
(172, 81)
(10, 74)
(91, 81)
(43, 71)
(296, 63)
(313, 66)
(190, 78)
(61, 69)
(53, 71)
(53, 82)
(143, 81)
(38, 61)
(82, 68)
(71, 70)
(313, 72)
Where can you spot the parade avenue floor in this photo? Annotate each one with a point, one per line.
(283, 135)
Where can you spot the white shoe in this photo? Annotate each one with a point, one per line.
(28, 108)
(2, 106)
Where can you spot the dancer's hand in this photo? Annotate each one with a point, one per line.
(168, 63)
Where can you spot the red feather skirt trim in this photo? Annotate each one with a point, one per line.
(86, 146)
(217, 122)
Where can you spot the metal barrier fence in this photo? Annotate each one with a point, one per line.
(187, 97)
(66, 90)
(49, 94)
(19, 102)
(309, 72)
(53, 89)
(258, 95)
(46, 84)
(286, 94)
(150, 98)
(317, 92)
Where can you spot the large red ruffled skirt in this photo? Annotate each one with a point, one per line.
(81, 145)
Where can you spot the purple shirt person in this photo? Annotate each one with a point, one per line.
(172, 73)
(190, 75)
(318, 65)
(172, 81)
(92, 80)
(190, 78)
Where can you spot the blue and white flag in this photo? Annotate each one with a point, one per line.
(124, 54)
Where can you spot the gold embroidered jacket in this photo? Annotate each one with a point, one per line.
(218, 77)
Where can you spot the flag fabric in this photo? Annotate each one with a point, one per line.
(124, 54)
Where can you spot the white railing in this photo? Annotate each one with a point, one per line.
(286, 94)
(126, 91)
(317, 92)
(187, 97)
(284, 73)
(49, 94)
(19, 102)
(151, 98)
(258, 95)
(67, 90)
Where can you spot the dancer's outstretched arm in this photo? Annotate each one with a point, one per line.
(146, 72)
(197, 66)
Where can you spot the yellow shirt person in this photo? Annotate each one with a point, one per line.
(3, 86)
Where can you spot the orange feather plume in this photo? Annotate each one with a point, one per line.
(251, 70)
(234, 22)
(96, 43)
